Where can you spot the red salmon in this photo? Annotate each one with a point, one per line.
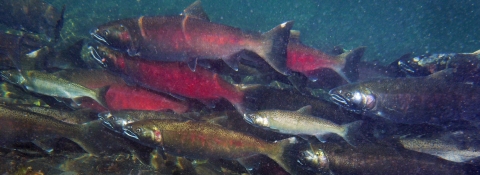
(120, 96)
(308, 60)
(170, 77)
(189, 37)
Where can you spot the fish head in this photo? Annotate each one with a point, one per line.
(144, 133)
(413, 66)
(12, 76)
(313, 159)
(353, 97)
(257, 119)
(112, 122)
(116, 35)
(106, 57)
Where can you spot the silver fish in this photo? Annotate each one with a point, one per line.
(301, 123)
(48, 84)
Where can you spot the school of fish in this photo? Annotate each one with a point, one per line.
(184, 95)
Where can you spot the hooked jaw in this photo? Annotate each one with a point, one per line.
(356, 101)
(97, 37)
(340, 100)
(94, 54)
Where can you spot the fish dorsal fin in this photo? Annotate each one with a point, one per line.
(305, 110)
(195, 10)
(295, 34)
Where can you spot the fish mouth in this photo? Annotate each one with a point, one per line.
(130, 134)
(104, 117)
(343, 102)
(339, 100)
(405, 67)
(99, 38)
(94, 54)
(248, 119)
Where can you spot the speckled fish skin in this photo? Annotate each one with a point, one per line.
(374, 159)
(18, 125)
(450, 151)
(204, 140)
(48, 84)
(416, 100)
(300, 123)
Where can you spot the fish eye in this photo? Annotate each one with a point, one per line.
(138, 130)
(106, 32)
(348, 95)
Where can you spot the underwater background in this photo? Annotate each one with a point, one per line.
(385, 142)
(388, 29)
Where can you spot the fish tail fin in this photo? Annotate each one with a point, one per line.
(100, 96)
(274, 52)
(279, 154)
(350, 130)
(349, 71)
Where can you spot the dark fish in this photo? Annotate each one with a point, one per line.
(466, 64)
(23, 125)
(22, 51)
(433, 99)
(32, 15)
(455, 146)
(331, 158)
(204, 140)
(192, 36)
(374, 70)
(67, 116)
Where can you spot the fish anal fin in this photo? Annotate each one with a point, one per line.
(232, 62)
(47, 145)
(208, 103)
(304, 137)
(322, 137)
(195, 10)
(305, 110)
(313, 75)
(192, 64)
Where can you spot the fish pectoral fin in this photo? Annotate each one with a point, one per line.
(232, 62)
(305, 110)
(322, 137)
(304, 137)
(208, 103)
(46, 144)
(195, 10)
(192, 64)
(251, 163)
(298, 81)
